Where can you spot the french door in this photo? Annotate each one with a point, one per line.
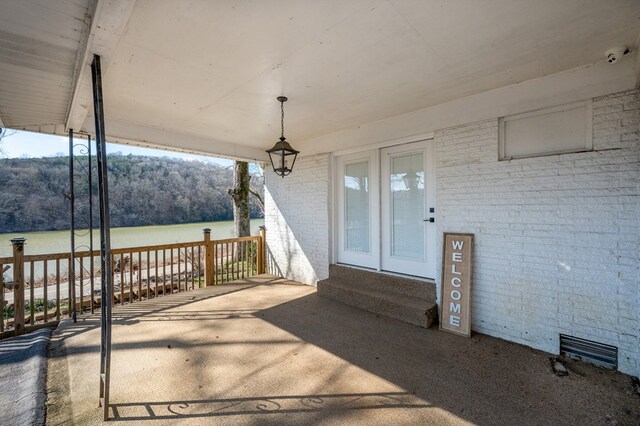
(384, 205)
(408, 238)
(358, 201)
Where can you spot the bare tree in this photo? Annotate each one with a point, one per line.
(144, 191)
(257, 200)
(4, 133)
(240, 195)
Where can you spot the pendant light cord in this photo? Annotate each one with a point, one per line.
(282, 119)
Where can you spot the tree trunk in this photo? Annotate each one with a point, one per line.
(240, 195)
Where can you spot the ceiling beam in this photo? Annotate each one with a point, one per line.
(74, 112)
(150, 137)
(105, 25)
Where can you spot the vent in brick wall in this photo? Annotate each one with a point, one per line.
(586, 350)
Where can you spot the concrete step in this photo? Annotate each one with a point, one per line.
(370, 280)
(419, 312)
(381, 300)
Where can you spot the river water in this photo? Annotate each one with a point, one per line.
(59, 241)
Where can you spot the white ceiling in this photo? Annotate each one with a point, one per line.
(211, 70)
(39, 44)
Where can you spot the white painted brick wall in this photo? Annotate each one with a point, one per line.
(297, 220)
(557, 237)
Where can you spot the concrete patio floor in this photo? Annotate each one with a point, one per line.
(270, 351)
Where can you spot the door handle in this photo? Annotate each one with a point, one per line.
(431, 220)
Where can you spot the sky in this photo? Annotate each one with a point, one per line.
(35, 145)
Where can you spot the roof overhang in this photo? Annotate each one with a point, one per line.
(203, 76)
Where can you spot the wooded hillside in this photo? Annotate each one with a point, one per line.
(143, 191)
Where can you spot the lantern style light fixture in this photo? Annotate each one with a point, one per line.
(411, 180)
(282, 152)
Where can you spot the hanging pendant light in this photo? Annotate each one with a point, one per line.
(282, 152)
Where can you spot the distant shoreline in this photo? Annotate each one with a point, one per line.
(97, 226)
(44, 242)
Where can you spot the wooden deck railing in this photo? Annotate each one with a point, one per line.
(37, 290)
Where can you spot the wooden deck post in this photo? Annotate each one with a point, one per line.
(18, 285)
(262, 250)
(209, 270)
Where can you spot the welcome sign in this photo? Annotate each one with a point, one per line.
(455, 294)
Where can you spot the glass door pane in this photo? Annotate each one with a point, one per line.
(356, 207)
(407, 205)
(358, 216)
(408, 238)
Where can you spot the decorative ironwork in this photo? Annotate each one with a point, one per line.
(81, 221)
(106, 281)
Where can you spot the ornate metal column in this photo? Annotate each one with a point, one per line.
(105, 238)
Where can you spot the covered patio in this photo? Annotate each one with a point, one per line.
(268, 350)
(515, 122)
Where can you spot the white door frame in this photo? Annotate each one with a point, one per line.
(426, 266)
(372, 258)
(373, 154)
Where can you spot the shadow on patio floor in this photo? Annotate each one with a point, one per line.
(285, 404)
(276, 353)
(483, 379)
